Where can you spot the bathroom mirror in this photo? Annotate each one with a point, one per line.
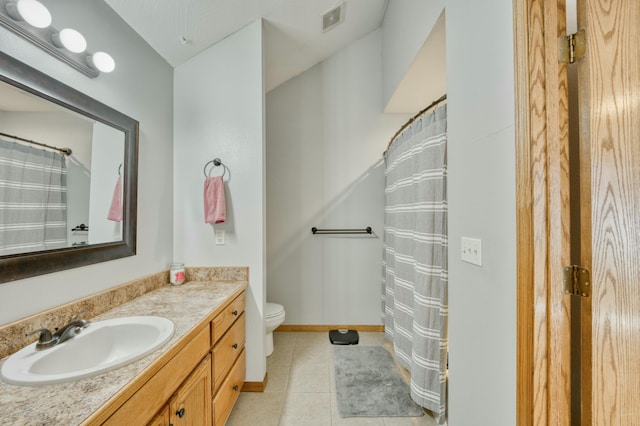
(103, 163)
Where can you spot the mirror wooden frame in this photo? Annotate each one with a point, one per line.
(24, 265)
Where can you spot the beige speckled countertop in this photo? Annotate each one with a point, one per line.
(71, 403)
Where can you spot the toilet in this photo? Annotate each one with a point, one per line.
(274, 316)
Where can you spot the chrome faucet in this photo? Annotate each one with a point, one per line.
(68, 331)
(46, 340)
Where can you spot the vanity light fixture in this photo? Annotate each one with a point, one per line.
(101, 61)
(31, 11)
(70, 39)
(31, 20)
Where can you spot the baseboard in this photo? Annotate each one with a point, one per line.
(255, 386)
(307, 327)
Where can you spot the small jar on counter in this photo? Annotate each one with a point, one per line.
(176, 273)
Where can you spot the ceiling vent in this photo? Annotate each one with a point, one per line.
(332, 17)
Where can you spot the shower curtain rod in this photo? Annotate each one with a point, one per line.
(65, 151)
(414, 118)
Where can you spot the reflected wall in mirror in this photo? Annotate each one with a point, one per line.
(61, 210)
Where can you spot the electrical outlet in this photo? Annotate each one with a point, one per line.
(220, 237)
(471, 249)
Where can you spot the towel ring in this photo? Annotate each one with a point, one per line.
(119, 169)
(216, 162)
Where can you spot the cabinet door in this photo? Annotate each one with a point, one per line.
(191, 404)
(162, 418)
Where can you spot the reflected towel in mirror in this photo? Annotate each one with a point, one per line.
(115, 211)
(215, 209)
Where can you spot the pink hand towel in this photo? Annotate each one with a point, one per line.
(215, 210)
(115, 211)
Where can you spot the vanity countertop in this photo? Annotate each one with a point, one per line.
(71, 403)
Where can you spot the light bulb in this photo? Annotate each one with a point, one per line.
(101, 61)
(31, 11)
(70, 39)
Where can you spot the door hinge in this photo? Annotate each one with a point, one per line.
(572, 47)
(576, 281)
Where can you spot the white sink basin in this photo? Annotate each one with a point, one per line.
(100, 347)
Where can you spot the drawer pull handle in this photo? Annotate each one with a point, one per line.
(180, 413)
(235, 387)
(234, 346)
(235, 312)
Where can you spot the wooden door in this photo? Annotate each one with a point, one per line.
(543, 215)
(609, 105)
(609, 214)
(191, 404)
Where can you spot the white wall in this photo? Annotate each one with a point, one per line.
(481, 192)
(405, 27)
(325, 136)
(481, 187)
(219, 113)
(141, 87)
(108, 156)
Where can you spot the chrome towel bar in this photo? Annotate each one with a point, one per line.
(366, 230)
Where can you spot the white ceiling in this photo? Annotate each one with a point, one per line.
(294, 41)
(426, 79)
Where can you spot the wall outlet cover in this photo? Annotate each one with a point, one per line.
(471, 250)
(219, 237)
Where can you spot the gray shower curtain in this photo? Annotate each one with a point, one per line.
(33, 199)
(414, 294)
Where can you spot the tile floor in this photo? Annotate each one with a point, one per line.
(300, 388)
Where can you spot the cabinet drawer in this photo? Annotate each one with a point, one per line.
(141, 407)
(229, 391)
(223, 321)
(227, 351)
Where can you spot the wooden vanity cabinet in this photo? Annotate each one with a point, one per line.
(160, 388)
(200, 384)
(227, 317)
(191, 404)
(161, 419)
(228, 359)
(226, 351)
(229, 391)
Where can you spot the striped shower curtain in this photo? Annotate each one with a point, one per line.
(414, 293)
(33, 199)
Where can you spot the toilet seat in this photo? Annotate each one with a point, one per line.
(273, 310)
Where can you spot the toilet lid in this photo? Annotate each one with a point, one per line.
(273, 310)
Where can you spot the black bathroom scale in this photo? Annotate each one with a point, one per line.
(343, 337)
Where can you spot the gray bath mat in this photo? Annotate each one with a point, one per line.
(368, 384)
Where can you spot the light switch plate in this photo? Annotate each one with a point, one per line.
(471, 250)
(219, 237)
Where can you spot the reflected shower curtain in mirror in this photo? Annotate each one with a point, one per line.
(414, 284)
(33, 199)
